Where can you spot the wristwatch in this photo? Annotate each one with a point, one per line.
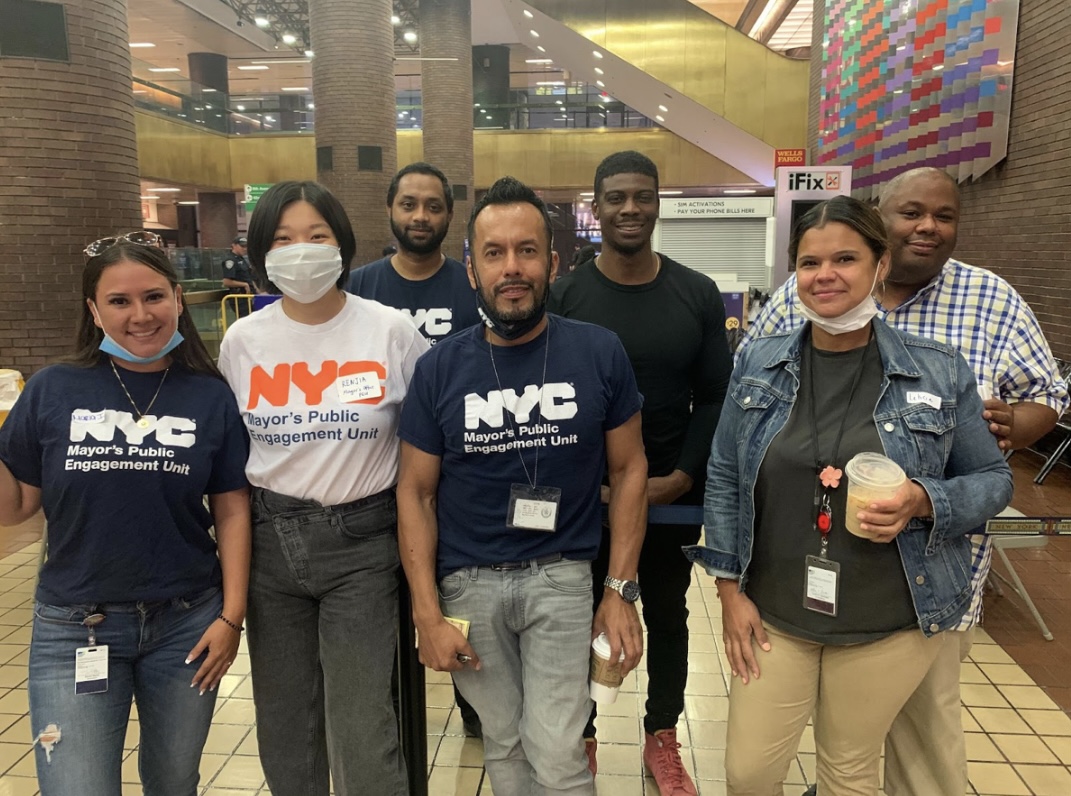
(628, 589)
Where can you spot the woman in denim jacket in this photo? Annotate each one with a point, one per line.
(818, 620)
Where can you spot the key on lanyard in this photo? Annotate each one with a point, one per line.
(91, 622)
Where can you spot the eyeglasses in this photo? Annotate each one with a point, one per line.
(140, 237)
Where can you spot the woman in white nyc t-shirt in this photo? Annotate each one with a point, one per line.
(320, 377)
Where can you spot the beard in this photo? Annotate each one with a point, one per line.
(432, 244)
(515, 314)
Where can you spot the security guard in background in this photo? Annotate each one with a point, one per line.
(238, 275)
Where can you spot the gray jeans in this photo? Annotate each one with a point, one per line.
(323, 619)
(531, 628)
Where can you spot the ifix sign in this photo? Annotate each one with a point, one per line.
(790, 157)
(814, 181)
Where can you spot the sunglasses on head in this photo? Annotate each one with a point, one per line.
(140, 237)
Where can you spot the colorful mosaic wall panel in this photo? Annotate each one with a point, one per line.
(916, 83)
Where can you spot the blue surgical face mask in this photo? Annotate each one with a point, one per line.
(112, 348)
(109, 346)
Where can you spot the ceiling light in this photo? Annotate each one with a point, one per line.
(539, 61)
(239, 107)
(189, 203)
(938, 67)
(659, 118)
(165, 190)
(663, 108)
(294, 88)
(557, 102)
(311, 106)
(529, 14)
(541, 48)
(395, 19)
(164, 69)
(139, 44)
(208, 91)
(670, 193)
(252, 68)
(268, 119)
(596, 53)
(410, 36)
(550, 82)
(148, 197)
(309, 53)
(275, 61)
(598, 71)
(401, 115)
(600, 84)
(534, 33)
(261, 21)
(738, 190)
(289, 38)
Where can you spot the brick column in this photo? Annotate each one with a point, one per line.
(353, 84)
(68, 176)
(446, 96)
(217, 216)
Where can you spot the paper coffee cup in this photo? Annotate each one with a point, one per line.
(871, 477)
(606, 677)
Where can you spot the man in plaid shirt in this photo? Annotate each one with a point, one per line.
(931, 295)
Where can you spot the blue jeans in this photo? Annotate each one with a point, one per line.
(323, 627)
(79, 737)
(531, 628)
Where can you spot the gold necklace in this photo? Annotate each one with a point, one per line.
(143, 421)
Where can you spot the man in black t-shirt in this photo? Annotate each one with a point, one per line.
(672, 323)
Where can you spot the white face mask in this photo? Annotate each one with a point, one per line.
(304, 272)
(852, 320)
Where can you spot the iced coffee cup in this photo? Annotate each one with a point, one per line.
(871, 477)
(606, 677)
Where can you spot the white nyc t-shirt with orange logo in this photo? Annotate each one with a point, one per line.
(321, 403)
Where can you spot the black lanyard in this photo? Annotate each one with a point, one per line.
(823, 512)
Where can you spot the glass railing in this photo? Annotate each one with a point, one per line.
(576, 106)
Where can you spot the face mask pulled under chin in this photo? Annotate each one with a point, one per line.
(304, 272)
(852, 320)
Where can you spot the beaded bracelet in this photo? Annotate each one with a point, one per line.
(230, 624)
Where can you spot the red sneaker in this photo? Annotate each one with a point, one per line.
(661, 755)
(590, 745)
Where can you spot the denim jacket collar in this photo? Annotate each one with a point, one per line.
(895, 356)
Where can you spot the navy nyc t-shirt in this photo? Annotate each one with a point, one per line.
(457, 410)
(440, 305)
(124, 504)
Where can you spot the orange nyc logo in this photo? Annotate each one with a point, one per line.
(274, 387)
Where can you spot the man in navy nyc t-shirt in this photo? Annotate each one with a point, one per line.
(507, 431)
(420, 280)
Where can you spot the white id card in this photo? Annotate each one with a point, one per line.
(534, 508)
(358, 387)
(91, 670)
(821, 585)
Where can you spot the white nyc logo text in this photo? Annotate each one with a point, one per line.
(553, 404)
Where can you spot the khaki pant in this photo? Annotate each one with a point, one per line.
(854, 693)
(925, 751)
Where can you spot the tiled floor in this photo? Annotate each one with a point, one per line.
(1019, 740)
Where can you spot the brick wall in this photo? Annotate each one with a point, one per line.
(1016, 218)
(445, 26)
(353, 83)
(68, 176)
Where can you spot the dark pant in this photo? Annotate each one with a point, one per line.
(665, 575)
(323, 626)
